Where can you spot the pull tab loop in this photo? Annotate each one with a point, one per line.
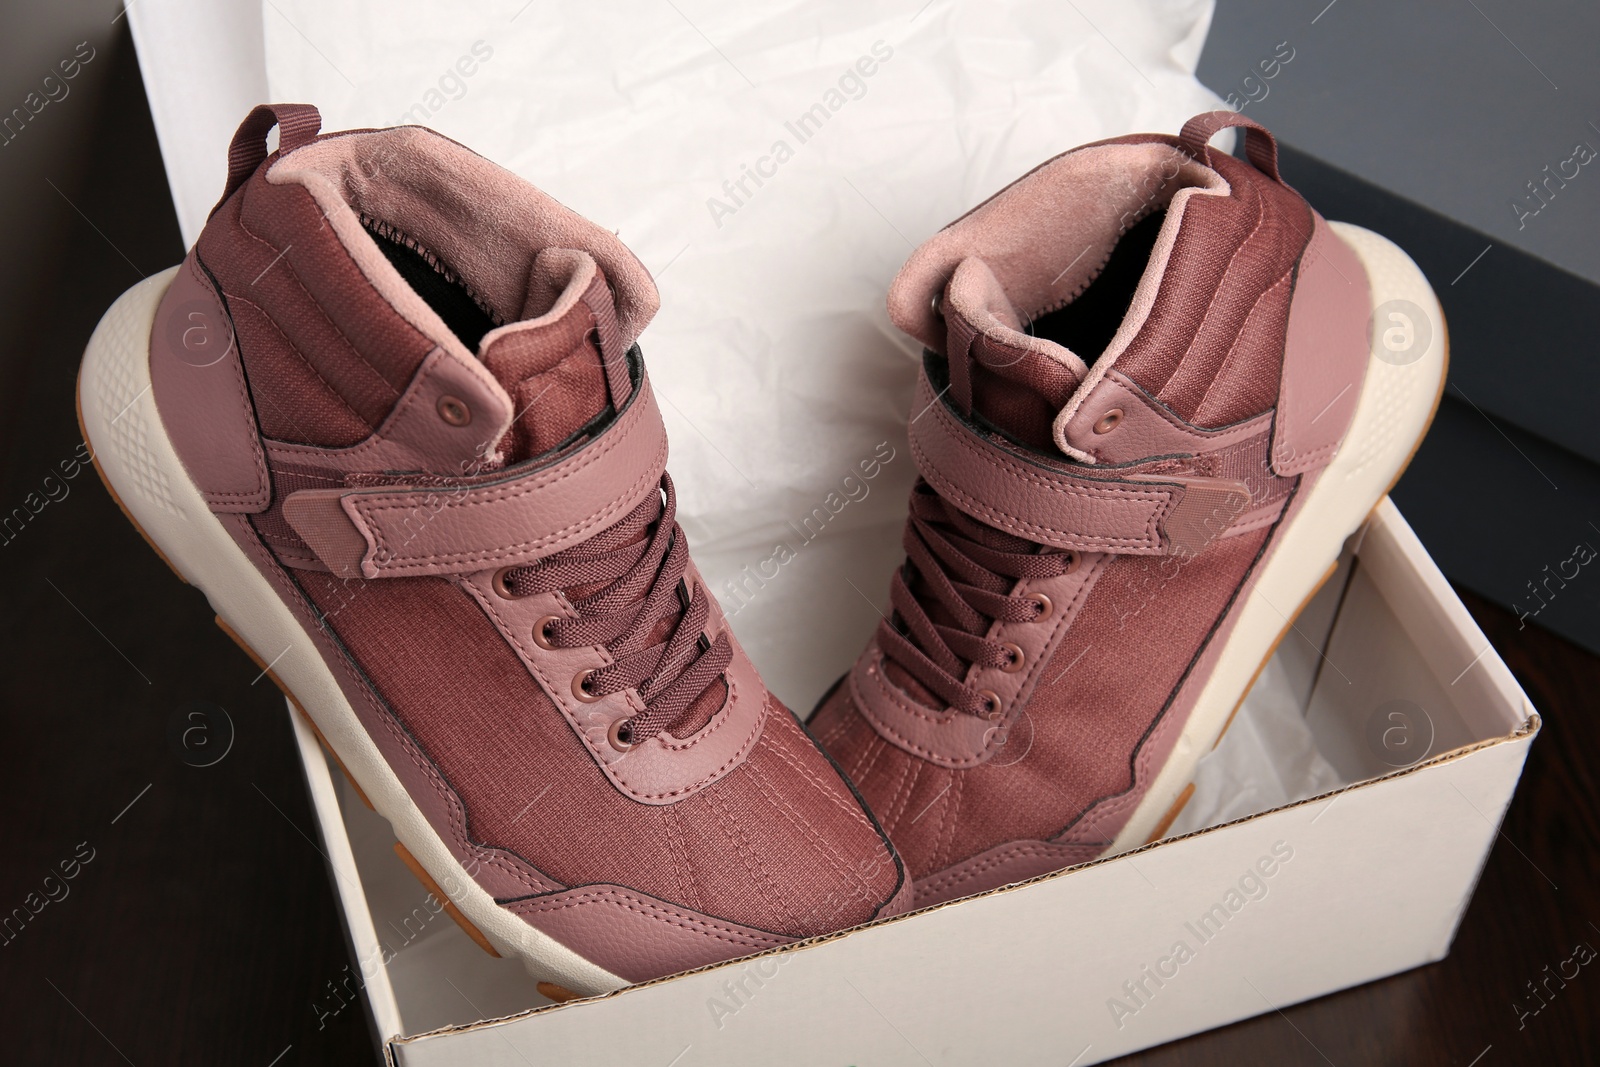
(1259, 145)
(297, 125)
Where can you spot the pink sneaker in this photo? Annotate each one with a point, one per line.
(389, 416)
(1160, 393)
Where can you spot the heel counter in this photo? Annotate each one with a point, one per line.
(197, 381)
(1325, 354)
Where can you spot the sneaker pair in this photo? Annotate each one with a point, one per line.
(390, 415)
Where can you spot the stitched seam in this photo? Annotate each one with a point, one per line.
(263, 481)
(831, 792)
(897, 698)
(1215, 439)
(682, 865)
(455, 809)
(625, 501)
(904, 799)
(949, 818)
(409, 399)
(384, 557)
(840, 866)
(869, 758)
(301, 356)
(902, 741)
(741, 845)
(947, 879)
(841, 723)
(300, 559)
(963, 439)
(607, 443)
(373, 506)
(1261, 217)
(294, 275)
(1151, 539)
(1244, 327)
(651, 911)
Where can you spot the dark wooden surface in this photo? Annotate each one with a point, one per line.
(204, 926)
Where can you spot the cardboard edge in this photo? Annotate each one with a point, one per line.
(1523, 734)
(378, 993)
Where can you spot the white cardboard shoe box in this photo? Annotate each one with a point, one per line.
(1402, 695)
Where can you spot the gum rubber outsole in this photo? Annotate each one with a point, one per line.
(433, 887)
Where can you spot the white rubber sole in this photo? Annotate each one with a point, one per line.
(1396, 405)
(137, 461)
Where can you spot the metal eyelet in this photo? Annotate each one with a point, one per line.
(614, 735)
(541, 632)
(996, 711)
(580, 687)
(1108, 422)
(1018, 658)
(502, 584)
(454, 410)
(1045, 606)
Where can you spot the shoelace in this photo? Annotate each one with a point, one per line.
(971, 581)
(629, 592)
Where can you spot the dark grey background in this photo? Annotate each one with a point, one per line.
(1456, 104)
(1426, 121)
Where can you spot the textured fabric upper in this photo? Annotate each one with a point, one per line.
(1099, 695)
(326, 356)
(1210, 349)
(781, 843)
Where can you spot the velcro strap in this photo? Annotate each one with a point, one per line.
(505, 521)
(1137, 515)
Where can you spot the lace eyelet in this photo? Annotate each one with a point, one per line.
(580, 687)
(1108, 422)
(996, 711)
(1045, 606)
(541, 636)
(1018, 658)
(502, 584)
(615, 734)
(1072, 561)
(454, 411)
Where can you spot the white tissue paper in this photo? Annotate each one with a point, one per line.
(772, 165)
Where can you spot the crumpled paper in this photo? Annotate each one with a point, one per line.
(1266, 759)
(772, 165)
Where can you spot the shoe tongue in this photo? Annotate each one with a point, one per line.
(1013, 380)
(554, 364)
(552, 361)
